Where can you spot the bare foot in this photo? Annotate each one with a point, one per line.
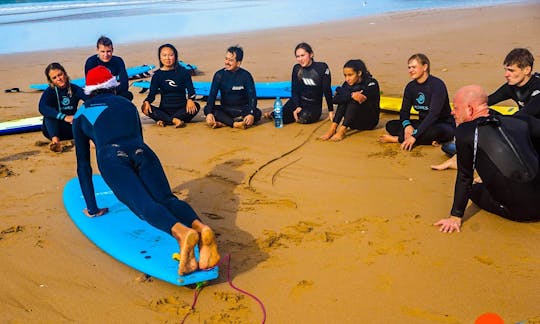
(385, 138)
(435, 143)
(160, 123)
(188, 263)
(208, 252)
(451, 163)
(55, 147)
(327, 136)
(217, 125)
(268, 115)
(337, 137)
(178, 123)
(239, 125)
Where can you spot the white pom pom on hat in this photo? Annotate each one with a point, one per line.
(99, 78)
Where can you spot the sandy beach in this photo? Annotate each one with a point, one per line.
(320, 232)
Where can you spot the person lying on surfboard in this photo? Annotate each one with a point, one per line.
(172, 82)
(358, 102)
(115, 64)
(310, 82)
(133, 171)
(58, 104)
(522, 86)
(427, 94)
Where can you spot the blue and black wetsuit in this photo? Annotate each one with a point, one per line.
(117, 67)
(172, 85)
(356, 115)
(238, 97)
(128, 166)
(435, 121)
(55, 104)
(308, 86)
(498, 193)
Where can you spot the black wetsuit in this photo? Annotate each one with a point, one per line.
(129, 167)
(117, 67)
(521, 95)
(356, 115)
(499, 194)
(55, 104)
(435, 121)
(172, 85)
(308, 86)
(238, 97)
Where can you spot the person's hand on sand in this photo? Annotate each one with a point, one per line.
(408, 143)
(296, 112)
(101, 212)
(449, 225)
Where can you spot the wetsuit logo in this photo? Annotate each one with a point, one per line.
(421, 98)
(309, 82)
(535, 92)
(236, 88)
(65, 101)
(171, 83)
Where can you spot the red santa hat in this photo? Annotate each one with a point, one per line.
(99, 78)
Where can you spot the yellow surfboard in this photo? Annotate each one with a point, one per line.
(394, 104)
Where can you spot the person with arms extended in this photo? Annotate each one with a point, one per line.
(358, 101)
(133, 171)
(429, 96)
(58, 104)
(114, 63)
(172, 81)
(499, 148)
(310, 81)
(238, 102)
(522, 86)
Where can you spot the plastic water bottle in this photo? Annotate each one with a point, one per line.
(278, 113)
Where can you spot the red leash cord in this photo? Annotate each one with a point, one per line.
(200, 285)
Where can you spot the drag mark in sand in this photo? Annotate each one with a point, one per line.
(282, 156)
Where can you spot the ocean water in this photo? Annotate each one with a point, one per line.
(46, 25)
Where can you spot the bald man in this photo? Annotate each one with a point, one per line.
(499, 148)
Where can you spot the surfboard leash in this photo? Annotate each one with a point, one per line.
(201, 284)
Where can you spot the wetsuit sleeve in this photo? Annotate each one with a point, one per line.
(251, 92)
(405, 111)
(214, 88)
(343, 95)
(84, 168)
(501, 94)
(189, 86)
(465, 173)
(79, 92)
(154, 88)
(90, 63)
(46, 108)
(122, 75)
(327, 88)
(372, 89)
(295, 86)
(532, 108)
(436, 105)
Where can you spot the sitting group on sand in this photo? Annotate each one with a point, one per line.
(503, 150)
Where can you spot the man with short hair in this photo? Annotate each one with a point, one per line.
(499, 148)
(115, 64)
(238, 102)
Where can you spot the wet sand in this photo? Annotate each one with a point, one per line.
(320, 232)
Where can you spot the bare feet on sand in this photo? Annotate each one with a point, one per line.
(451, 163)
(187, 239)
(385, 138)
(240, 125)
(208, 251)
(160, 123)
(340, 134)
(55, 147)
(327, 136)
(178, 123)
(268, 115)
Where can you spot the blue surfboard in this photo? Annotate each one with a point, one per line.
(127, 238)
(264, 90)
(23, 125)
(132, 72)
